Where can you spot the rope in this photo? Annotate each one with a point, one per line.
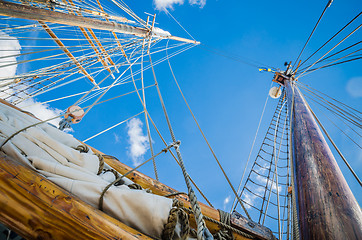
(101, 163)
(175, 194)
(202, 231)
(177, 215)
(224, 225)
(331, 38)
(82, 148)
(224, 234)
(207, 142)
(119, 179)
(301, 74)
(335, 146)
(310, 35)
(25, 128)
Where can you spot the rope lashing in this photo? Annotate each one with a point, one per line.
(101, 163)
(115, 173)
(223, 225)
(177, 215)
(223, 233)
(119, 179)
(84, 149)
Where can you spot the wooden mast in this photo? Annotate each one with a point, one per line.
(326, 206)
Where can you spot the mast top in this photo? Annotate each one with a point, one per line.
(289, 74)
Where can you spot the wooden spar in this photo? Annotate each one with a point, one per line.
(36, 208)
(28, 12)
(237, 221)
(67, 52)
(326, 206)
(33, 13)
(97, 41)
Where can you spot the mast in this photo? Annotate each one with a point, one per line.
(326, 207)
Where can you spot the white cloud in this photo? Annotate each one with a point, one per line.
(9, 47)
(226, 201)
(137, 140)
(354, 87)
(164, 4)
(41, 111)
(201, 3)
(169, 4)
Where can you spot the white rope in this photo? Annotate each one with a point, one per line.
(106, 130)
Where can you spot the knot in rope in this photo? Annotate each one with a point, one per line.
(175, 145)
(177, 215)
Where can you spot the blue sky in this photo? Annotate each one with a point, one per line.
(227, 96)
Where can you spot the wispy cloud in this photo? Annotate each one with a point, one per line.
(354, 87)
(169, 4)
(200, 3)
(117, 138)
(9, 47)
(226, 201)
(137, 140)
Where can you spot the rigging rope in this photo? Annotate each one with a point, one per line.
(202, 231)
(207, 142)
(100, 203)
(310, 35)
(330, 39)
(335, 146)
(301, 74)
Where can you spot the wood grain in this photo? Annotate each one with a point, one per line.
(36, 208)
(327, 208)
(260, 232)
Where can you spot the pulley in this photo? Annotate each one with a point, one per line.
(73, 115)
(75, 112)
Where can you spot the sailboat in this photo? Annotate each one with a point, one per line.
(83, 55)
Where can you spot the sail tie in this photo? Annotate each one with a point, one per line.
(119, 179)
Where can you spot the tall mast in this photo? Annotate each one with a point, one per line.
(326, 207)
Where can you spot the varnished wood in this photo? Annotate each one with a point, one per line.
(36, 208)
(327, 208)
(33, 13)
(37, 198)
(158, 188)
(29, 12)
